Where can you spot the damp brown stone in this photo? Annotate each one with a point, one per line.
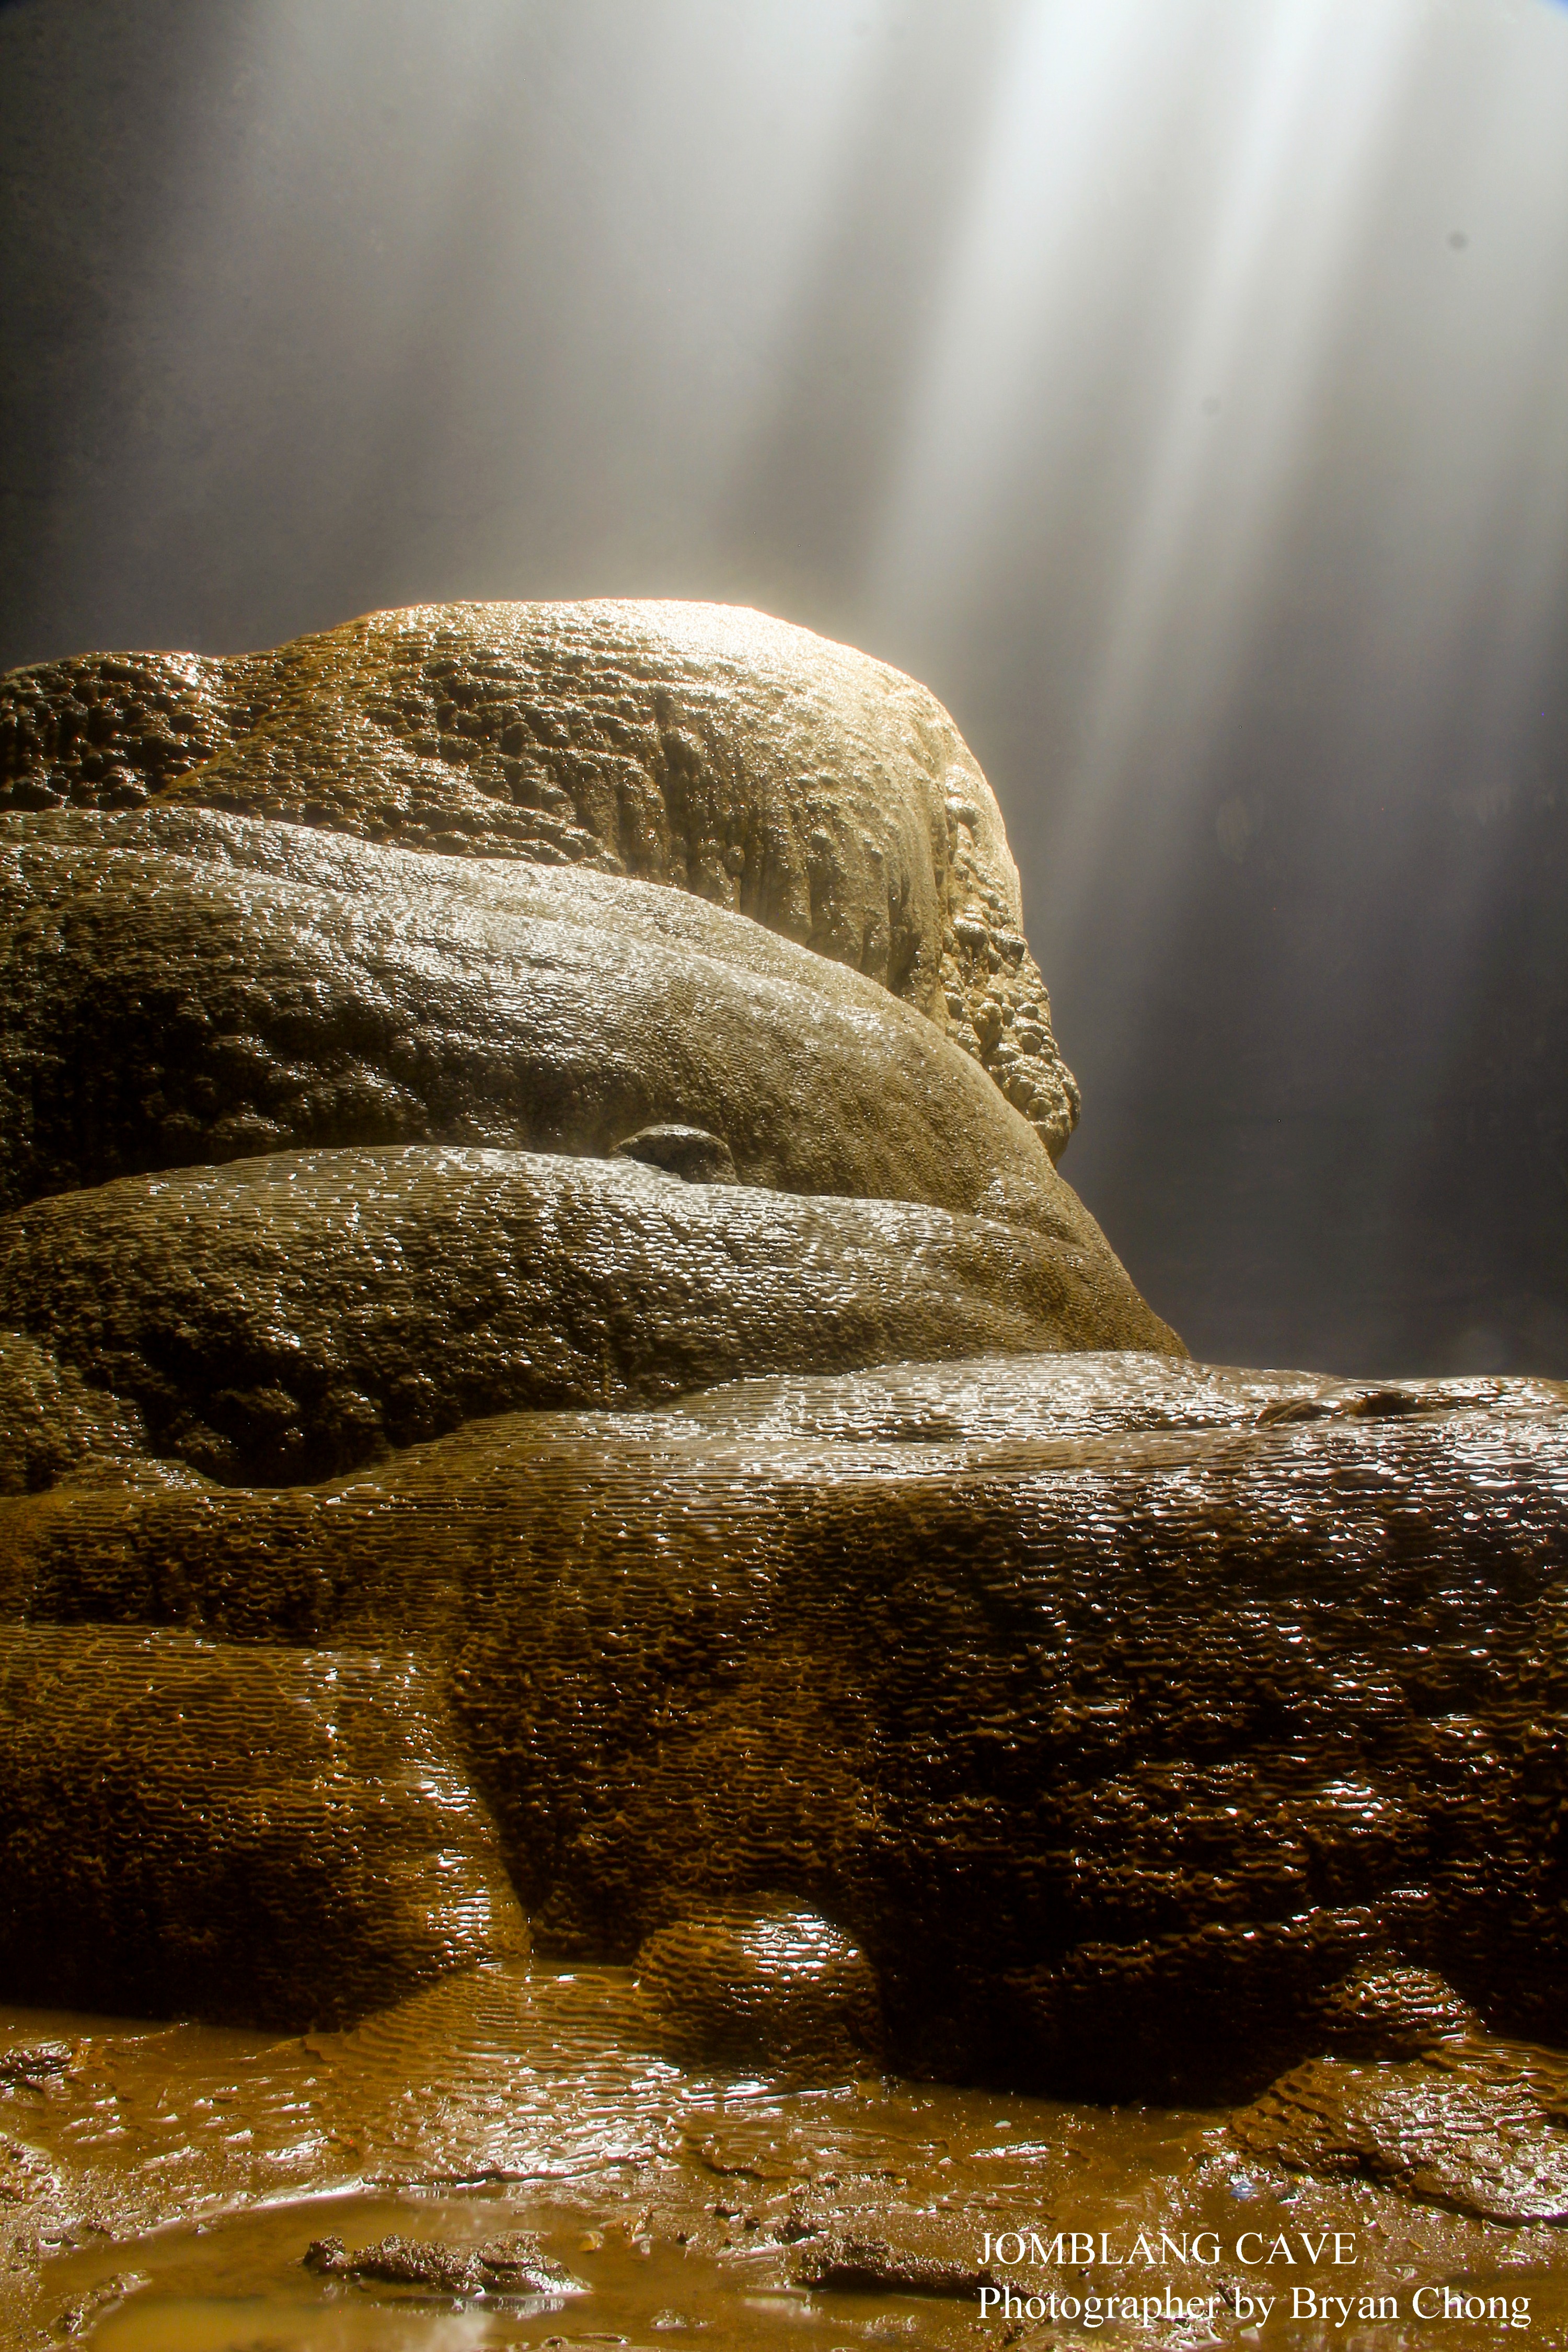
(52, 1421)
(505, 2269)
(1391, 2010)
(1474, 2127)
(546, 1372)
(847, 2265)
(179, 987)
(282, 1318)
(261, 1833)
(1117, 1726)
(767, 1985)
(753, 764)
(689, 1153)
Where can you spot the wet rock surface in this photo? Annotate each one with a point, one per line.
(770, 1985)
(547, 1374)
(280, 1318)
(178, 987)
(1117, 1719)
(1474, 2125)
(868, 2266)
(183, 2173)
(1390, 2009)
(53, 1422)
(511, 2267)
(796, 782)
(267, 1833)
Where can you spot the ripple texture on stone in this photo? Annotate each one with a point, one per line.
(751, 763)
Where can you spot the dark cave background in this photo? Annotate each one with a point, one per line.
(1178, 387)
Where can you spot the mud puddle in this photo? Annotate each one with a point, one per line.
(161, 2187)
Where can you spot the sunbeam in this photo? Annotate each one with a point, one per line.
(1175, 388)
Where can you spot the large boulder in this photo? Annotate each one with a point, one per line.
(581, 1392)
(179, 987)
(286, 1316)
(796, 782)
(1125, 1714)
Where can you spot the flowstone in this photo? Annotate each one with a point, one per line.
(547, 1373)
(761, 768)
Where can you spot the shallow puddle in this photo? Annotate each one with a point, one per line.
(163, 2183)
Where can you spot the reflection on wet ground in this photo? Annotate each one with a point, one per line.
(159, 2188)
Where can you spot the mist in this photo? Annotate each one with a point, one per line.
(1178, 387)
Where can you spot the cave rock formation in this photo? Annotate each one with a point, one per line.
(550, 1385)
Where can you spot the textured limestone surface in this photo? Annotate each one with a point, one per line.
(758, 766)
(178, 987)
(52, 1424)
(286, 1316)
(1472, 2125)
(1117, 1708)
(263, 1834)
(547, 1373)
(771, 1986)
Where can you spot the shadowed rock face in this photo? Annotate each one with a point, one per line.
(313, 1802)
(1128, 1716)
(547, 1387)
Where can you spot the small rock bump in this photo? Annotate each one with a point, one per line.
(689, 1152)
(773, 1986)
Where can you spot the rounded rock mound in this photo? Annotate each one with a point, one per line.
(750, 762)
(179, 987)
(769, 1985)
(466, 1020)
